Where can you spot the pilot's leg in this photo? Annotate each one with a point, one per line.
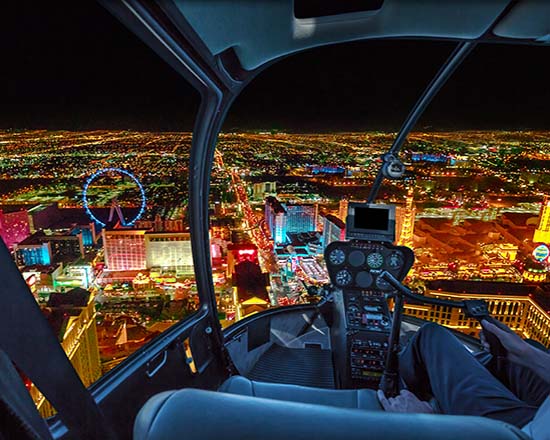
(524, 383)
(436, 363)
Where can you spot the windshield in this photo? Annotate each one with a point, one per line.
(472, 204)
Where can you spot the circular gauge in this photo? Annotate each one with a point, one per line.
(352, 308)
(343, 277)
(356, 258)
(337, 257)
(375, 260)
(395, 260)
(363, 279)
(382, 284)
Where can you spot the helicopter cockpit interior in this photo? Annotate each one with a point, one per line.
(298, 371)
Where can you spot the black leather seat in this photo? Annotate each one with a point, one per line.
(359, 399)
(192, 414)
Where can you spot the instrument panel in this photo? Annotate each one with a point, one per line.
(367, 310)
(354, 268)
(357, 264)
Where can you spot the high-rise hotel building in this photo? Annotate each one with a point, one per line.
(169, 250)
(343, 209)
(283, 219)
(140, 249)
(124, 249)
(542, 232)
(275, 219)
(72, 317)
(14, 225)
(301, 217)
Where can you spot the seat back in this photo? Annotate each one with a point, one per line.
(196, 414)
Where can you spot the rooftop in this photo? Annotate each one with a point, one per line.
(483, 287)
(275, 205)
(75, 297)
(62, 307)
(7, 209)
(34, 239)
(539, 293)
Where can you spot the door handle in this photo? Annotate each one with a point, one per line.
(155, 370)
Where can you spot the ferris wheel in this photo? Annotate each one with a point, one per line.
(114, 206)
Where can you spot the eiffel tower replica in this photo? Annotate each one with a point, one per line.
(407, 226)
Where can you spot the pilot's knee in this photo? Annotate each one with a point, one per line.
(432, 328)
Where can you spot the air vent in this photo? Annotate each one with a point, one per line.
(323, 8)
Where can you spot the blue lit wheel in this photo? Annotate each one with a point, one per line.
(118, 171)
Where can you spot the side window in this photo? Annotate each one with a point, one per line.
(94, 151)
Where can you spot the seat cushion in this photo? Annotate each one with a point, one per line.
(360, 399)
(192, 414)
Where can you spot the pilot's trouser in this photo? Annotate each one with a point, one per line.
(436, 364)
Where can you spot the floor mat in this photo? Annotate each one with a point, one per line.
(309, 366)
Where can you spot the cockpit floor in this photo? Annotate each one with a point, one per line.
(309, 366)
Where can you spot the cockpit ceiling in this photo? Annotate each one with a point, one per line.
(262, 30)
(529, 19)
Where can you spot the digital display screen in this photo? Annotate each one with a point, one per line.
(371, 218)
(368, 221)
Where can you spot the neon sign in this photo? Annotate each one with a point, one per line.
(541, 253)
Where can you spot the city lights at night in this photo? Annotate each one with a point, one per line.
(190, 203)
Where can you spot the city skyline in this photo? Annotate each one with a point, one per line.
(457, 175)
(472, 206)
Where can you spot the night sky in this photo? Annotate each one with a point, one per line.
(71, 65)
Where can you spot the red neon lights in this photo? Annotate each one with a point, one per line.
(246, 251)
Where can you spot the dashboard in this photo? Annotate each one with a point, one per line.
(357, 264)
(365, 321)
